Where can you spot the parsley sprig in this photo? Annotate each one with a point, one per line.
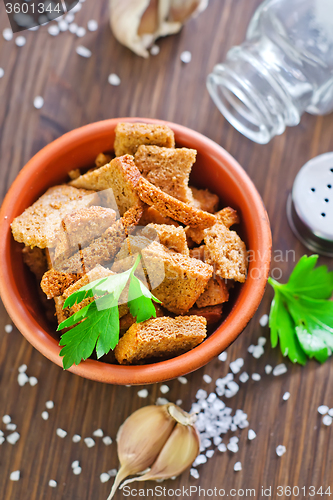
(301, 315)
(97, 324)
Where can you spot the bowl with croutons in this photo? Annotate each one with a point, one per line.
(133, 251)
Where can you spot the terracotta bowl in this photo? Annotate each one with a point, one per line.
(215, 169)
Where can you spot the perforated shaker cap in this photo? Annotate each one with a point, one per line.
(310, 205)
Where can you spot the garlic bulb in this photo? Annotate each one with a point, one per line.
(138, 23)
(157, 441)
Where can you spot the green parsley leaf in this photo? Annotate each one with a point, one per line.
(97, 324)
(301, 317)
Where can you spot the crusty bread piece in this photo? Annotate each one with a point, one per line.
(129, 136)
(102, 159)
(228, 216)
(39, 224)
(205, 200)
(167, 168)
(120, 175)
(81, 227)
(171, 207)
(151, 215)
(226, 252)
(215, 293)
(198, 253)
(212, 314)
(35, 259)
(62, 314)
(160, 338)
(54, 283)
(171, 237)
(176, 280)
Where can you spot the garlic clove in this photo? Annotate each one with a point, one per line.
(140, 440)
(182, 10)
(178, 453)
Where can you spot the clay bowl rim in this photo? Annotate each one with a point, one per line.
(244, 309)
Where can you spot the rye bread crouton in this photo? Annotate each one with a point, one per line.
(129, 136)
(212, 314)
(35, 259)
(169, 206)
(39, 224)
(205, 200)
(102, 159)
(215, 293)
(171, 237)
(227, 216)
(151, 215)
(169, 169)
(54, 283)
(120, 176)
(61, 314)
(160, 338)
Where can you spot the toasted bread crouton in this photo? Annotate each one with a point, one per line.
(160, 338)
(54, 283)
(62, 314)
(195, 234)
(171, 207)
(81, 227)
(215, 293)
(176, 280)
(228, 216)
(171, 237)
(169, 169)
(120, 175)
(212, 314)
(102, 159)
(226, 252)
(128, 320)
(205, 200)
(129, 136)
(198, 253)
(74, 174)
(151, 215)
(39, 224)
(35, 259)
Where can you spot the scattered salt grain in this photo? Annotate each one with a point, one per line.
(73, 28)
(22, 369)
(1, 433)
(15, 476)
(207, 378)
(92, 25)
(323, 409)
(263, 320)
(262, 341)
(179, 402)
(75, 464)
(2, 440)
(327, 420)
(83, 51)
(77, 471)
(107, 440)
(161, 401)
(286, 396)
(63, 25)
(61, 433)
(112, 472)
(330, 412)
(89, 442)
(280, 450)
(164, 389)
(70, 17)
(80, 32)
(53, 483)
(53, 30)
(7, 34)
(186, 56)
(233, 447)
(222, 447)
(11, 427)
(49, 405)
(33, 381)
(13, 438)
(45, 415)
(237, 466)
(258, 351)
(268, 369)
(98, 433)
(155, 50)
(223, 356)
(256, 377)
(6, 419)
(236, 365)
(38, 102)
(210, 453)
(279, 370)
(244, 377)
(22, 379)
(182, 380)
(232, 390)
(201, 394)
(211, 398)
(143, 393)
(250, 348)
(8, 328)
(114, 80)
(2, 72)
(104, 477)
(194, 473)
(200, 460)
(251, 435)
(76, 438)
(217, 440)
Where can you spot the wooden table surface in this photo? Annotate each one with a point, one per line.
(76, 92)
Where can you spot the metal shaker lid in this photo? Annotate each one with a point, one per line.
(310, 205)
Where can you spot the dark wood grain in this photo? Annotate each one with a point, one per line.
(76, 92)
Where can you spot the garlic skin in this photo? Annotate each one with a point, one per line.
(138, 23)
(140, 440)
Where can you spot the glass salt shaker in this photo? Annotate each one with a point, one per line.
(284, 68)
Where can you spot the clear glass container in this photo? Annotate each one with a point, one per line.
(284, 68)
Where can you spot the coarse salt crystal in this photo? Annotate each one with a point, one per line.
(80, 32)
(236, 365)
(164, 389)
(210, 453)
(280, 450)
(194, 473)
(77, 471)
(2, 440)
(63, 25)
(53, 483)
(49, 405)
(104, 477)
(89, 442)
(258, 351)
(179, 402)
(112, 472)
(262, 341)
(114, 80)
(11, 427)
(143, 393)
(200, 460)
(182, 380)
(22, 379)
(263, 320)
(323, 409)
(6, 419)
(268, 369)
(186, 56)
(15, 476)
(217, 440)
(233, 447)
(61, 433)
(161, 401)
(1, 433)
(107, 440)
(286, 396)
(70, 17)
(38, 102)
(22, 369)
(7, 34)
(83, 51)
(53, 30)
(20, 41)
(33, 381)
(76, 438)
(207, 378)
(256, 377)
(75, 464)
(279, 370)
(45, 415)
(327, 420)
(13, 438)
(223, 356)
(8, 328)
(98, 433)
(201, 394)
(251, 435)
(244, 377)
(234, 439)
(92, 25)
(211, 398)
(250, 348)
(222, 447)
(330, 412)
(155, 50)
(73, 28)
(237, 466)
